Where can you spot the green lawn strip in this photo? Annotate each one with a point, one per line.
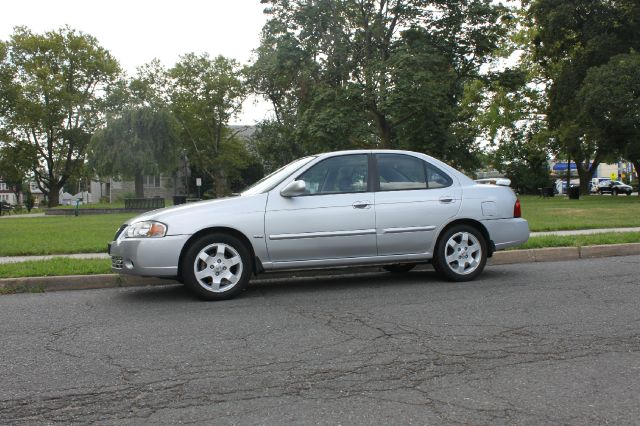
(58, 234)
(55, 267)
(589, 212)
(67, 266)
(90, 233)
(580, 240)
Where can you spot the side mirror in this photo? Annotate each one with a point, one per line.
(293, 189)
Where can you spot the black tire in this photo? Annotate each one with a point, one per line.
(614, 192)
(220, 251)
(452, 243)
(628, 193)
(399, 268)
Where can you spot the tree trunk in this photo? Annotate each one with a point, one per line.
(384, 130)
(139, 184)
(636, 165)
(221, 183)
(585, 178)
(54, 195)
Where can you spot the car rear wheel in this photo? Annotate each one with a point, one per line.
(399, 268)
(461, 253)
(216, 267)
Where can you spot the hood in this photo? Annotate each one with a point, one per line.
(203, 211)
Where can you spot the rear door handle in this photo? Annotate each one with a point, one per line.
(446, 199)
(361, 205)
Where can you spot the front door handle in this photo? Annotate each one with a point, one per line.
(361, 205)
(446, 199)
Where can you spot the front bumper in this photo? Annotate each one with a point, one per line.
(507, 233)
(150, 257)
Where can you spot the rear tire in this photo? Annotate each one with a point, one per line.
(216, 267)
(461, 253)
(399, 268)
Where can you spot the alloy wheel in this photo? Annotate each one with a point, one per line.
(463, 253)
(218, 267)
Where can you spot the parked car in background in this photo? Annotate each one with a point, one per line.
(596, 182)
(390, 208)
(5, 206)
(614, 187)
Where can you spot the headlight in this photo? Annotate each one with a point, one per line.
(147, 229)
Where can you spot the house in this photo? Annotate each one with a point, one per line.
(112, 189)
(7, 194)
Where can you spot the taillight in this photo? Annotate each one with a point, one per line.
(517, 210)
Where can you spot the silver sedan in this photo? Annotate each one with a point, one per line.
(374, 207)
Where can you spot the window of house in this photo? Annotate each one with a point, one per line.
(3, 186)
(151, 181)
(343, 174)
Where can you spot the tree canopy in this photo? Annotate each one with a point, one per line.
(53, 85)
(387, 74)
(571, 38)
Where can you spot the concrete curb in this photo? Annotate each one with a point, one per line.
(86, 282)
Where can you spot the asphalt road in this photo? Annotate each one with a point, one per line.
(527, 344)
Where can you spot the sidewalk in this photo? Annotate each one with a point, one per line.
(15, 259)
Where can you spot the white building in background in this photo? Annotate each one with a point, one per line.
(617, 171)
(7, 194)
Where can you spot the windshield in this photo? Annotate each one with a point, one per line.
(270, 181)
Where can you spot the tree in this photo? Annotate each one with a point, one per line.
(139, 142)
(205, 94)
(610, 101)
(53, 99)
(14, 168)
(572, 37)
(373, 73)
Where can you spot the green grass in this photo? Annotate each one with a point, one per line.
(90, 233)
(581, 240)
(55, 267)
(67, 266)
(58, 234)
(589, 212)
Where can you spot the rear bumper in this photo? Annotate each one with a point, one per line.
(151, 257)
(507, 233)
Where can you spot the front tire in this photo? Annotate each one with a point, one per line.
(216, 267)
(461, 253)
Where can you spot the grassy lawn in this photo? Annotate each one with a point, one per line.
(594, 211)
(580, 240)
(66, 266)
(90, 233)
(58, 234)
(55, 267)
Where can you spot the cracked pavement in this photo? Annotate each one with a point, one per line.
(533, 343)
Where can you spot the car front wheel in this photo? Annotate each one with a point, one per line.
(461, 253)
(216, 267)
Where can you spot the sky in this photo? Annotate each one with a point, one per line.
(137, 31)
